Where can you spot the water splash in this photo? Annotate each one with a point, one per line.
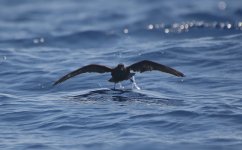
(134, 84)
(121, 86)
(4, 58)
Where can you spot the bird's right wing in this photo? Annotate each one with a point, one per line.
(85, 69)
(147, 65)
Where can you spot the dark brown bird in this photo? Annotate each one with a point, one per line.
(121, 73)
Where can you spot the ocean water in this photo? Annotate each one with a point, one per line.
(40, 41)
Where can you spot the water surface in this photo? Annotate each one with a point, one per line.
(43, 40)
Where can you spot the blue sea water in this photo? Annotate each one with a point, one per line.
(40, 41)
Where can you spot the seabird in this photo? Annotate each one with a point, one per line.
(121, 73)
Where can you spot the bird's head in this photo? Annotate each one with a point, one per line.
(120, 66)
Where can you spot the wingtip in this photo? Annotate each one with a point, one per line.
(181, 75)
(54, 84)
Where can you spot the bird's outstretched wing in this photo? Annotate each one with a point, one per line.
(147, 65)
(85, 69)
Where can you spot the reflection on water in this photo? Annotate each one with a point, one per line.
(121, 95)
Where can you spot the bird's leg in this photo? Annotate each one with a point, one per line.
(131, 80)
(114, 86)
(134, 85)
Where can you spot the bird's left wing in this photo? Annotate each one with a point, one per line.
(85, 69)
(147, 65)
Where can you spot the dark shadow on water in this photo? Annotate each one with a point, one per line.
(124, 95)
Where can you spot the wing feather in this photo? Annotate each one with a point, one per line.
(147, 65)
(85, 69)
